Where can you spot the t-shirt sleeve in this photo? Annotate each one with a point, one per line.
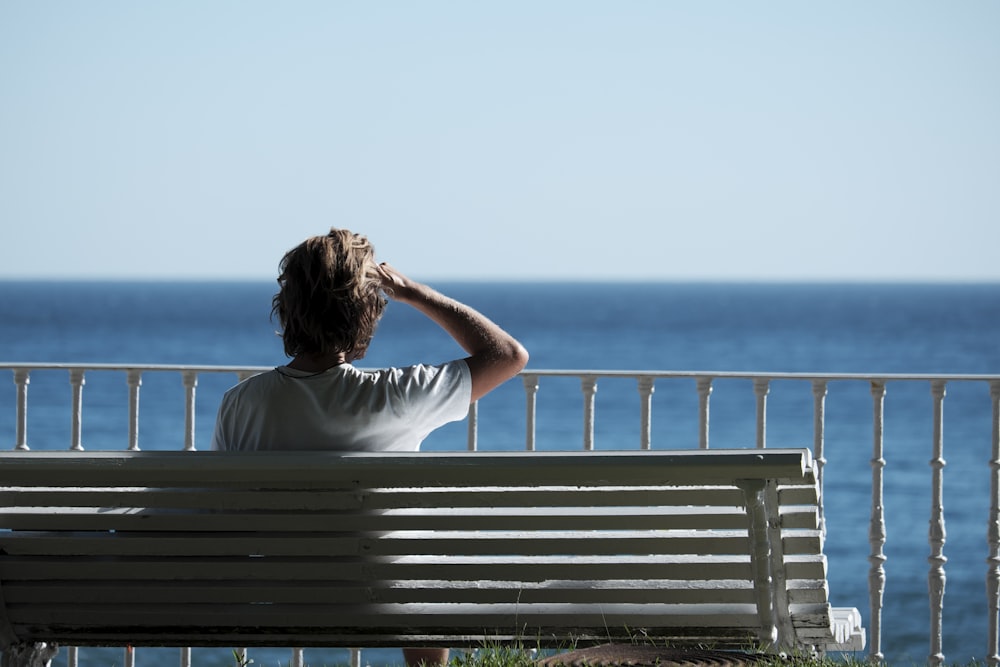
(223, 425)
(435, 395)
(428, 397)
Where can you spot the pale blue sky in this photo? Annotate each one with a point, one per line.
(496, 140)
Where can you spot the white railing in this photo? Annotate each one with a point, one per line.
(646, 382)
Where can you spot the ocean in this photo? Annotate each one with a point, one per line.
(771, 328)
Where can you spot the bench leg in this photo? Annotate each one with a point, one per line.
(37, 654)
(754, 495)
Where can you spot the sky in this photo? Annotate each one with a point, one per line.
(511, 140)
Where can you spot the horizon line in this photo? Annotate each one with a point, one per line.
(841, 280)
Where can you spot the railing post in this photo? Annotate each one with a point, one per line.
(936, 532)
(77, 381)
(876, 527)
(819, 446)
(761, 387)
(134, 382)
(185, 656)
(531, 398)
(472, 435)
(589, 385)
(646, 411)
(704, 385)
(22, 377)
(993, 536)
(190, 380)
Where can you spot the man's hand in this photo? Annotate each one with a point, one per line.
(394, 283)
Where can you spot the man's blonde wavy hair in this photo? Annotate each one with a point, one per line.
(330, 297)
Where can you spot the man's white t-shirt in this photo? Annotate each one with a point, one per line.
(342, 408)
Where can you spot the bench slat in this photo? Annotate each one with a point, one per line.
(450, 615)
(136, 518)
(223, 592)
(416, 543)
(139, 570)
(313, 500)
(551, 636)
(580, 543)
(272, 470)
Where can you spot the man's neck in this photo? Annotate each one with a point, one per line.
(313, 363)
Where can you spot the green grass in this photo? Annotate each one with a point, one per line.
(521, 656)
(494, 656)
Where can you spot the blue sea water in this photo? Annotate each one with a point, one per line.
(808, 328)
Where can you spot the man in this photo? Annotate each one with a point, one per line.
(329, 303)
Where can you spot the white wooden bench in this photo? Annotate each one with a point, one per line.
(304, 549)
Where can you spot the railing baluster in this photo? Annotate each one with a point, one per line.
(589, 386)
(761, 387)
(72, 656)
(22, 377)
(704, 385)
(876, 528)
(993, 536)
(819, 436)
(936, 533)
(134, 382)
(531, 397)
(77, 381)
(185, 656)
(472, 427)
(190, 380)
(298, 657)
(646, 411)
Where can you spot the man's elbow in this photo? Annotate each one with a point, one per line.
(511, 358)
(492, 370)
(519, 357)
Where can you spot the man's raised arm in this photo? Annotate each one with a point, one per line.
(494, 355)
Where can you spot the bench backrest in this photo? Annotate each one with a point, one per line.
(303, 549)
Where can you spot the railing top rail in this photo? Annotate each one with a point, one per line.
(32, 366)
(767, 374)
(875, 377)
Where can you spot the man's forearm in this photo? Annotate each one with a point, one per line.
(472, 330)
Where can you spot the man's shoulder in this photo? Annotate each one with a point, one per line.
(254, 382)
(419, 372)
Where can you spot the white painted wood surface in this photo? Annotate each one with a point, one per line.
(303, 549)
